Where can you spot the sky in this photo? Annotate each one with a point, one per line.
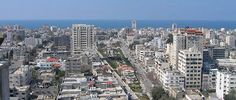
(118, 10)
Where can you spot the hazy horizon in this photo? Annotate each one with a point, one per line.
(207, 10)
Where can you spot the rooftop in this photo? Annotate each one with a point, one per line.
(22, 70)
(194, 95)
(2, 63)
(74, 80)
(226, 62)
(191, 31)
(22, 88)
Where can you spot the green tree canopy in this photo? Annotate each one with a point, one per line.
(158, 93)
(231, 95)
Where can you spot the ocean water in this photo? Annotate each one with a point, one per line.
(109, 24)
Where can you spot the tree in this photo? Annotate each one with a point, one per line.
(101, 45)
(17, 38)
(157, 93)
(231, 95)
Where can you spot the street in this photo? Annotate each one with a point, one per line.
(147, 84)
(133, 95)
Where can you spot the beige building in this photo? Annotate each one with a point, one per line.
(83, 38)
(190, 64)
(185, 39)
(230, 40)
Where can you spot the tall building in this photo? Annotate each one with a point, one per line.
(225, 77)
(134, 24)
(190, 65)
(4, 80)
(185, 39)
(83, 38)
(230, 40)
(173, 26)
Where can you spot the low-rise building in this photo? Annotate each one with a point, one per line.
(177, 93)
(77, 64)
(49, 63)
(138, 48)
(168, 75)
(21, 76)
(209, 80)
(127, 73)
(20, 92)
(146, 53)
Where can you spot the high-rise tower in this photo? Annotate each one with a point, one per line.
(83, 38)
(134, 24)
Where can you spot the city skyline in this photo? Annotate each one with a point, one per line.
(118, 10)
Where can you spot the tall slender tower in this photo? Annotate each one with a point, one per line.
(173, 26)
(83, 38)
(134, 24)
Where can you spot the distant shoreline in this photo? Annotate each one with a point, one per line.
(109, 24)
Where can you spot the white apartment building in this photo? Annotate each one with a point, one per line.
(185, 39)
(190, 65)
(21, 76)
(146, 53)
(225, 82)
(210, 34)
(226, 77)
(138, 47)
(83, 38)
(168, 76)
(209, 80)
(230, 40)
(212, 78)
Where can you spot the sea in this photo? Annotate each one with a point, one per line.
(110, 24)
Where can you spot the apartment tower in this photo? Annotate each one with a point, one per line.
(83, 38)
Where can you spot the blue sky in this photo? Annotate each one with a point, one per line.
(118, 9)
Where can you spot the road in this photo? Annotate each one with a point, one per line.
(133, 95)
(147, 84)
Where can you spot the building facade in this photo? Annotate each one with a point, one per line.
(4, 80)
(83, 38)
(185, 39)
(225, 82)
(190, 64)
